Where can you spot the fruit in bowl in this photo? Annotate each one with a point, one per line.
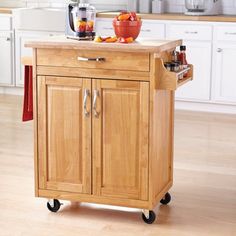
(127, 24)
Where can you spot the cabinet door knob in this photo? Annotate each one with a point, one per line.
(8, 39)
(86, 95)
(219, 50)
(95, 96)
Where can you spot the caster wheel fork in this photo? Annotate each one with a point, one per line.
(148, 216)
(53, 205)
(166, 199)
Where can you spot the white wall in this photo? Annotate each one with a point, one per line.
(228, 6)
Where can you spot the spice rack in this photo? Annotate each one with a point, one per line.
(168, 80)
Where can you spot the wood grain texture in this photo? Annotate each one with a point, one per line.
(120, 139)
(175, 17)
(64, 135)
(113, 61)
(93, 73)
(28, 61)
(140, 45)
(6, 10)
(203, 195)
(161, 139)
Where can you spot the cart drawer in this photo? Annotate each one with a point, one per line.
(93, 59)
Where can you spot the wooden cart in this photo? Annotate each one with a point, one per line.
(104, 121)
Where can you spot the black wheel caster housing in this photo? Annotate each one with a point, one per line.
(56, 206)
(151, 219)
(166, 199)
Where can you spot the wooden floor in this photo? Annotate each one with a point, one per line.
(204, 192)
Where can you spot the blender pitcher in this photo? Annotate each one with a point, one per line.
(83, 21)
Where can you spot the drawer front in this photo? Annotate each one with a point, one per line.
(189, 32)
(225, 33)
(5, 22)
(152, 30)
(76, 58)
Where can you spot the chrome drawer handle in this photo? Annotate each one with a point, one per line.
(147, 30)
(230, 33)
(86, 95)
(96, 95)
(99, 59)
(191, 32)
(107, 28)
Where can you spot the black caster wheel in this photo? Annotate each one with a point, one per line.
(56, 206)
(166, 199)
(151, 219)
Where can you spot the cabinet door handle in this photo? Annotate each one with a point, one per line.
(8, 39)
(99, 59)
(219, 50)
(230, 33)
(107, 28)
(191, 32)
(86, 95)
(95, 96)
(146, 30)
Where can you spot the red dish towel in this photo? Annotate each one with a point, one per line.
(28, 94)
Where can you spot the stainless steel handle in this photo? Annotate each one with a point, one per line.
(95, 96)
(230, 33)
(191, 32)
(219, 49)
(99, 59)
(147, 30)
(107, 28)
(86, 95)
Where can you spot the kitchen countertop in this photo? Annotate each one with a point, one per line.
(144, 45)
(174, 16)
(6, 10)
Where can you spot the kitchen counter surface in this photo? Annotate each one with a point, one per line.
(172, 16)
(142, 45)
(6, 10)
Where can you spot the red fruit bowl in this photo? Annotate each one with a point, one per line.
(127, 29)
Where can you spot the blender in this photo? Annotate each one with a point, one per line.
(80, 21)
(202, 7)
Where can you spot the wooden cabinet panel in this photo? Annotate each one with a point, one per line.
(64, 135)
(120, 139)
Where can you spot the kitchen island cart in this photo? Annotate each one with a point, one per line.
(104, 122)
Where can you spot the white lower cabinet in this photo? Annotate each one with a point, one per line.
(150, 28)
(224, 75)
(20, 38)
(198, 54)
(6, 59)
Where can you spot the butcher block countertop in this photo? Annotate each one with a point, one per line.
(174, 16)
(142, 45)
(5, 10)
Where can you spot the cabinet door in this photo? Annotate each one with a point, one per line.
(198, 54)
(64, 134)
(6, 59)
(120, 138)
(224, 72)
